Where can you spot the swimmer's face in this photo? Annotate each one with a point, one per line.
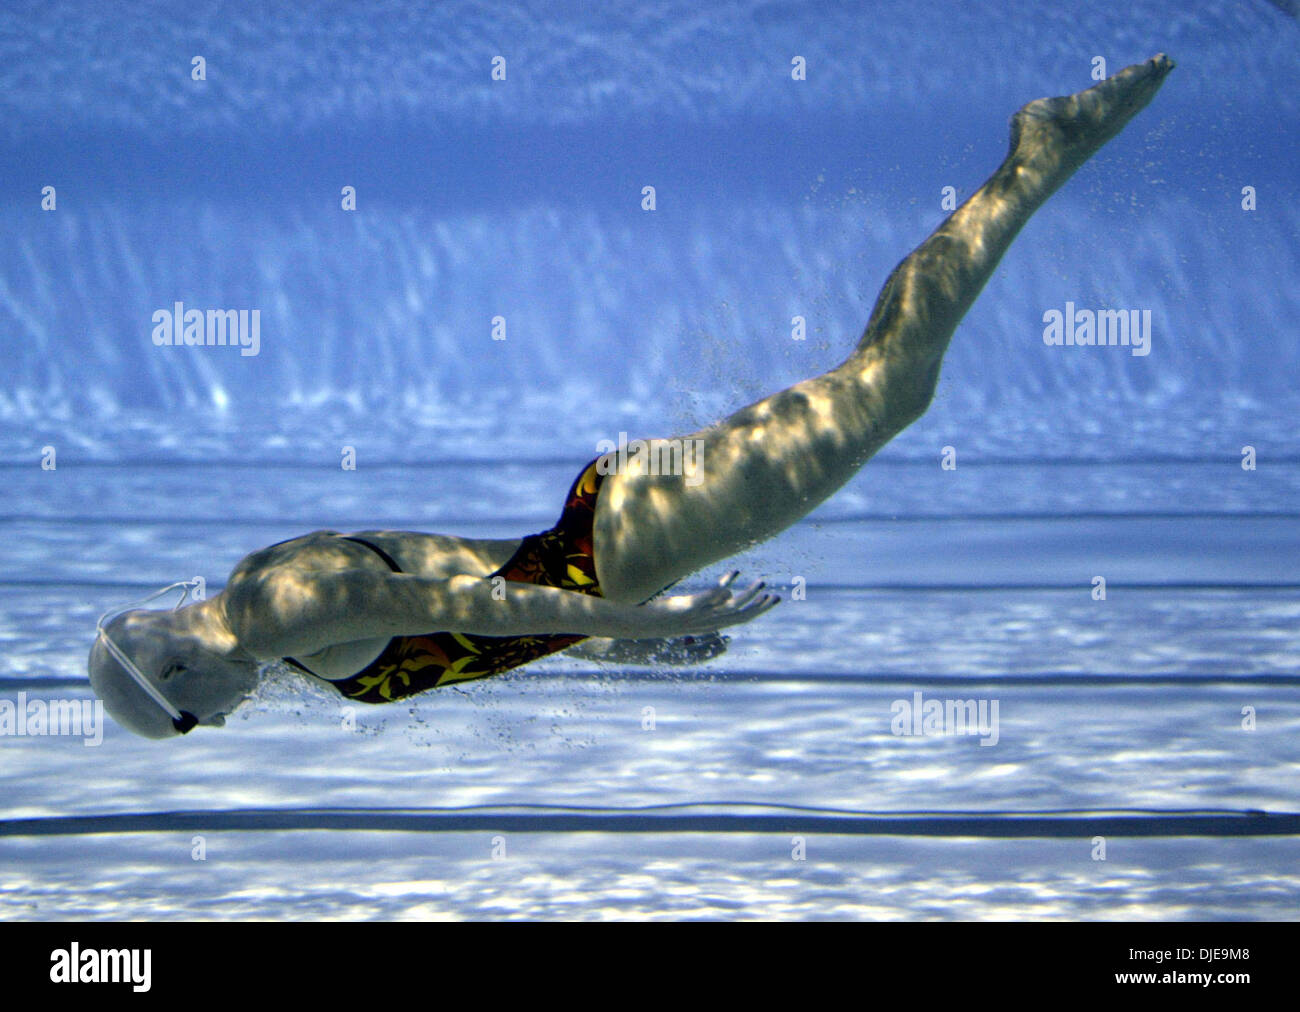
(191, 677)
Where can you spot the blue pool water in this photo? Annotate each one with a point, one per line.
(775, 198)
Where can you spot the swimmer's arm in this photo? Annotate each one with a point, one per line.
(289, 613)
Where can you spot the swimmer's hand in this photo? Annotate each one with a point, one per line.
(707, 611)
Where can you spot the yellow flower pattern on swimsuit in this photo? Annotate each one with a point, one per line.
(560, 557)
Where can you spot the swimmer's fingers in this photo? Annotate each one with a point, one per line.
(742, 609)
(749, 595)
(719, 599)
(717, 608)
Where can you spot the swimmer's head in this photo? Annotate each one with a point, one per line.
(195, 683)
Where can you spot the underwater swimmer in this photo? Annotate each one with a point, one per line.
(355, 610)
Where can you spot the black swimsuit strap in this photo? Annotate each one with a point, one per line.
(377, 550)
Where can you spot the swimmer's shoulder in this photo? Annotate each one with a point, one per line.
(257, 580)
(437, 556)
(440, 556)
(289, 550)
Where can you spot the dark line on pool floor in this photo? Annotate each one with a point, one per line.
(994, 825)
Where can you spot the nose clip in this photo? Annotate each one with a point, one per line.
(186, 722)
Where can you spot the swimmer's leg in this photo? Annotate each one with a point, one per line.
(771, 463)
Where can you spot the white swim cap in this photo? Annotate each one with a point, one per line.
(134, 701)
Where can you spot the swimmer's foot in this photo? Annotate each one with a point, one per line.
(1056, 135)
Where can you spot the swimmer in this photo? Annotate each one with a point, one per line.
(355, 610)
